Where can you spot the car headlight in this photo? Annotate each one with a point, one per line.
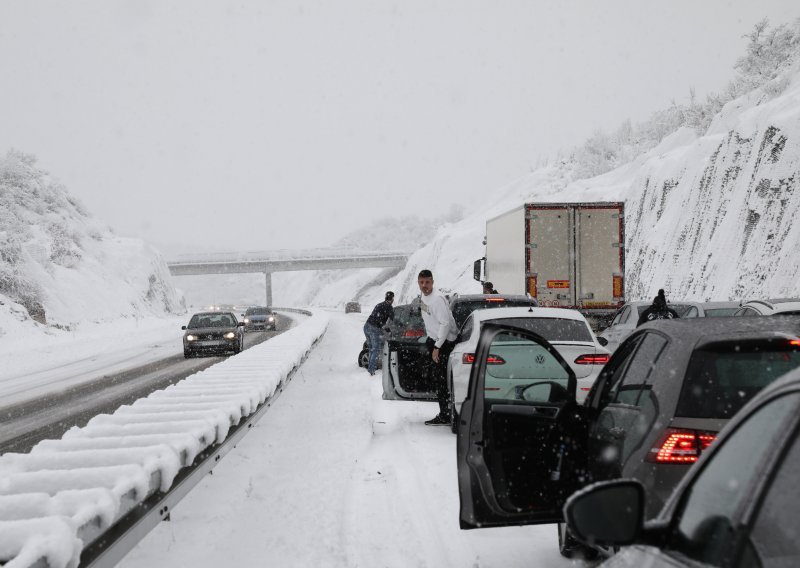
(246, 320)
(230, 335)
(191, 337)
(271, 318)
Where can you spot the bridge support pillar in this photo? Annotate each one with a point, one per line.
(268, 282)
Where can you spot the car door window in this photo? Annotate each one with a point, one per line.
(690, 313)
(618, 318)
(632, 406)
(466, 329)
(625, 315)
(775, 538)
(707, 518)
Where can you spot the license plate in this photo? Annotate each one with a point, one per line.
(209, 343)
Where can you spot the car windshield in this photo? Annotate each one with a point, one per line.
(258, 312)
(211, 320)
(722, 377)
(462, 309)
(720, 312)
(554, 329)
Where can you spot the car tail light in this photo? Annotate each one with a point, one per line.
(469, 359)
(592, 359)
(794, 342)
(413, 333)
(680, 446)
(495, 300)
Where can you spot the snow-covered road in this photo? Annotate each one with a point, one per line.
(335, 476)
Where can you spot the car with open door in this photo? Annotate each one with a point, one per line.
(407, 367)
(736, 507)
(656, 407)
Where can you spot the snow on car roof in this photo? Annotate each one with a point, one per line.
(522, 312)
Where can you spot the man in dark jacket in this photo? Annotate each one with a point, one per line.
(658, 310)
(373, 329)
(488, 288)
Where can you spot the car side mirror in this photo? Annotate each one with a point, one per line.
(602, 341)
(609, 513)
(183, 327)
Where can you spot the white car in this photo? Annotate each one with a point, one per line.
(566, 330)
(781, 306)
(627, 317)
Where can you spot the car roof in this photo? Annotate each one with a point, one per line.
(211, 313)
(694, 330)
(713, 305)
(523, 312)
(477, 297)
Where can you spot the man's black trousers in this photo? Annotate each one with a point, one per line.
(439, 374)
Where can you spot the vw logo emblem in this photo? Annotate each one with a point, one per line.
(540, 359)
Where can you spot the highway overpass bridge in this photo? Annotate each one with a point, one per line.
(268, 262)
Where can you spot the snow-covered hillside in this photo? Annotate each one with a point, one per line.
(711, 217)
(59, 266)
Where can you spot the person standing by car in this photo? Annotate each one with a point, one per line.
(440, 327)
(488, 288)
(658, 310)
(373, 329)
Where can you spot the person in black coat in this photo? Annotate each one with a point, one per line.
(658, 310)
(373, 329)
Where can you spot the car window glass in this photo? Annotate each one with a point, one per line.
(748, 312)
(466, 329)
(618, 318)
(705, 529)
(626, 313)
(775, 538)
(723, 376)
(613, 371)
(627, 389)
(690, 313)
(518, 368)
(554, 329)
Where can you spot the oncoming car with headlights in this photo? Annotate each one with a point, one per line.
(260, 318)
(212, 332)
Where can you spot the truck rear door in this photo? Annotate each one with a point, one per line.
(599, 255)
(549, 231)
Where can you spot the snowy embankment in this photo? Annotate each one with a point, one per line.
(54, 500)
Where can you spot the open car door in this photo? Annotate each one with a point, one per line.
(407, 364)
(522, 438)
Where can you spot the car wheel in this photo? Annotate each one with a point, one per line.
(187, 354)
(363, 358)
(570, 547)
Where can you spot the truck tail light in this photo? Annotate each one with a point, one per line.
(680, 446)
(413, 333)
(532, 286)
(617, 286)
(469, 359)
(592, 359)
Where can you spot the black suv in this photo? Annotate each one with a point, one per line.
(660, 401)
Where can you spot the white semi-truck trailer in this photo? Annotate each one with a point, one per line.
(566, 255)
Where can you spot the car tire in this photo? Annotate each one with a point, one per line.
(187, 354)
(570, 547)
(363, 359)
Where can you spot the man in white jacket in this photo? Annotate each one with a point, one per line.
(440, 327)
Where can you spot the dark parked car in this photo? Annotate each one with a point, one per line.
(736, 507)
(407, 366)
(657, 405)
(260, 318)
(212, 332)
(407, 325)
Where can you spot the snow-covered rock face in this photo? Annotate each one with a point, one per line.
(717, 218)
(60, 266)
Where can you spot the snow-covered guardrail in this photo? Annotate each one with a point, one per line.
(89, 497)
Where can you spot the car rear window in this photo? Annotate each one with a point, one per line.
(408, 316)
(461, 310)
(722, 377)
(554, 329)
(720, 312)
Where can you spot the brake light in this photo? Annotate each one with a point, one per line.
(680, 446)
(794, 342)
(592, 359)
(413, 333)
(495, 300)
(469, 359)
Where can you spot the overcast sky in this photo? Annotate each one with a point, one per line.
(280, 124)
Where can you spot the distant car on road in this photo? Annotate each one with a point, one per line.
(737, 506)
(780, 306)
(627, 317)
(211, 333)
(259, 318)
(656, 407)
(352, 308)
(566, 330)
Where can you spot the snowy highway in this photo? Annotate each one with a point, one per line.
(334, 476)
(48, 401)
